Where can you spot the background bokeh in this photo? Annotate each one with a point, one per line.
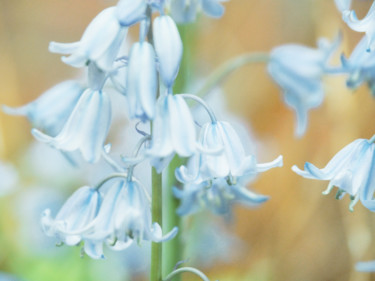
(299, 235)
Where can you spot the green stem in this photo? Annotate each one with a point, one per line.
(224, 70)
(187, 269)
(156, 248)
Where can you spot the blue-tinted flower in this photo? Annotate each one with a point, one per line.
(86, 129)
(173, 129)
(365, 266)
(360, 66)
(50, 111)
(168, 48)
(124, 217)
(130, 12)
(73, 218)
(298, 70)
(352, 170)
(343, 5)
(142, 81)
(217, 195)
(222, 155)
(185, 11)
(100, 43)
(367, 25)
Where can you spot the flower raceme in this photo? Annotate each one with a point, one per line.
(352, 170)
(298, 70)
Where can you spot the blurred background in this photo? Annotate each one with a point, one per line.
(298, 235)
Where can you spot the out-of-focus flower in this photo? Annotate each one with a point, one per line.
(185, 11)
(168, 48)
(217, 195)
(124, 216)
(73, 218)
(365, 266)
(9, 178)
(50, 111)
(130, 12)
(298, 70)
(360, 66)
(86, 129)
(173, 130)
(352, 170)
(141, 81)
(223, 155)
(100, 43)
(367, 24)
(343, 5)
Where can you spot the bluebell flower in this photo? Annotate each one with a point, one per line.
(141, 81)
(367, 25)
(221, 155)
(185, 11)
(343, 5)
(124, 217)
(100, 43)
(217, 195)
(74, 217)
(351, 170)
(299, 70)
(50, 111)
(168, 48)
(173, 130)
(86, 128)
(360, 66)
(130, 12)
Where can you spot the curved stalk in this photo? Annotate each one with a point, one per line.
(187, 269)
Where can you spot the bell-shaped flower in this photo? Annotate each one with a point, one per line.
(173, 130)
(185, 11)
(298, 70)
(74, 217)
(86, 128)
(50, 111)
(141, 81)
(168, 48)
(100, 43)
(367, 25)
(352, 170)
(130, 12)
(124, 217)
(360, 66)
(217, 195)
(222, 155)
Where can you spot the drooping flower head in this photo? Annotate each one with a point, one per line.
(299, 70)
(352, 170)
(100, 43)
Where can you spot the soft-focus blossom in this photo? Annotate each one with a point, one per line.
(298, 70)
(185, 11)
(124, 216)
(141, 81)
(343, 5)
(365, 266)
(9, 178)
(74, 216)
(168, 48)
(100, 43)
(351, 170)
(173, 130)
(222, 155)
(130, 12)
(50, 111)
(360, 66)
(217, 195)
(86, 129)
(367, 24)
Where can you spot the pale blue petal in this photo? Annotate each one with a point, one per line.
(183, 12)
(247, 197)
(64, 48)
(156, 234)
(130, 12)
(367, 266)
(278, 162)
(168, 47)
(142, 81)
(213, 8)
(343, 5)
(94, 249)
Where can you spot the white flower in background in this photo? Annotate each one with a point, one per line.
(9, 178)
(100, 43)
